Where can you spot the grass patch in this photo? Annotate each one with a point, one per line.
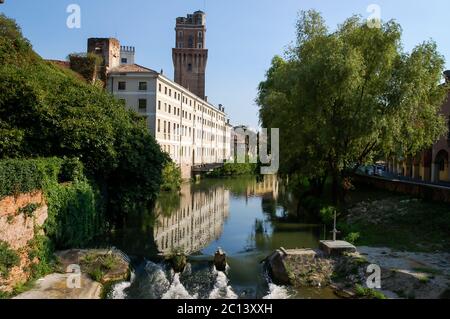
(430, 271)
(368, 293)
(97, 265)
(384, 219)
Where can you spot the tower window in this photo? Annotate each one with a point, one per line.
(200, 46)
(191, 42)
(200, 34)
(124, 60)
(190, 67)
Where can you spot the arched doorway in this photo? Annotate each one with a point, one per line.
(442, 169)
(425, 169)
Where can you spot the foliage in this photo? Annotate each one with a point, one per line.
(8, 259)
(368, 293)
(399, 222)
(40, 251)
(75, 214)
(75, 207)
(48, 111)
(327, 214)
(97, 265)
(171, 177)
(352, 238)
(345, 98)
(234, 169)
(88, 65)
(24, 176)
(29, 209)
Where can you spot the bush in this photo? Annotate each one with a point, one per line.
(88, 65)
(327, 214)
(234, 169)
(8, 259)
(352, 238)
(171, 177)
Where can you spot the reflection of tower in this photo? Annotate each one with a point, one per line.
(190, 55)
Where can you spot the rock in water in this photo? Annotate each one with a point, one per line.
(220, 260)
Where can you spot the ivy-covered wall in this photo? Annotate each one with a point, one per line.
(45, 204)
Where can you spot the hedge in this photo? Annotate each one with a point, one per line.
(24, 176)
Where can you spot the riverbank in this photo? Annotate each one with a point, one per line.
(403, 274)
(378, 218)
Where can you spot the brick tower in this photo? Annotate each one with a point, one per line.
(190, 55)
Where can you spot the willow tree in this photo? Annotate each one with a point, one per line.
(343, 98)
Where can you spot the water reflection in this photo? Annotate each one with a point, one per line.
(247, 217)
(197, 221)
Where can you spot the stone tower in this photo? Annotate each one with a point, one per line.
(108, 49)
(190, 54)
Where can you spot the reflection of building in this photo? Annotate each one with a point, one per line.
(268, 185)
(196, 223)
(431, 165)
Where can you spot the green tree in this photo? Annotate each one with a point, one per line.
(344, 98)
(50, 111)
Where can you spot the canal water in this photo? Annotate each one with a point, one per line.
(247, 217)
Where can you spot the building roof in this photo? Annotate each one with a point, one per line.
(132, 68)
(64, 64)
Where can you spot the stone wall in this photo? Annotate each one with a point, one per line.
(17, 229)
(424, 191)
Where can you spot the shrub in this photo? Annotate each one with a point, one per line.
(368, 293)
(327, 214)
(8, 259)
(234, 169)
(29, 210)
(171, 177)
(352, 238)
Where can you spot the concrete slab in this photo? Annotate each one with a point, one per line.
(55, 286)
(336, 248)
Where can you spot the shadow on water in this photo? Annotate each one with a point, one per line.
(246, 217)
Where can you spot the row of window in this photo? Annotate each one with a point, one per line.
(188, 116)
(122, 86)
(177, 96)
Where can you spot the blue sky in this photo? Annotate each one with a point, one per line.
(242, 35)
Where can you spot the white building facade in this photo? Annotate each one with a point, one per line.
(191, 130)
